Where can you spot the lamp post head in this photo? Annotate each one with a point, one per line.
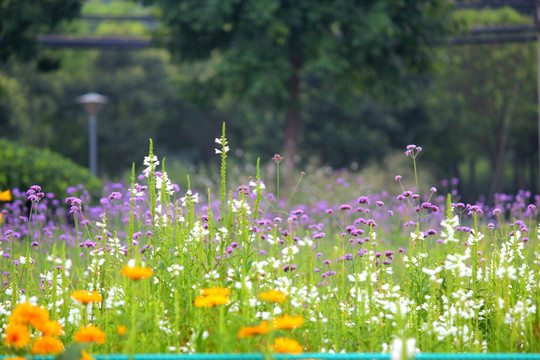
(92, 102)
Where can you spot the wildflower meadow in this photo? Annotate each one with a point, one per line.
(154, 268)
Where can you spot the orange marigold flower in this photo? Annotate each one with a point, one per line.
(17, 335)
(51, 328)
(260, 329)
(47, 345)
(287, 322)
(86, 297)
(121, 330)
(90, 333)
(274, 296)
(86, 356)
(211, 300)
(136, 272)
(289, 346)
(5, 195)
(217, 291)
(25, 313)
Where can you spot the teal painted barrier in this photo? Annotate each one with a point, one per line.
(305, 356)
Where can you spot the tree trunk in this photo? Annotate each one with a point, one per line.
(471, 194)
(532, 175)
(502, 140)
(292, 120)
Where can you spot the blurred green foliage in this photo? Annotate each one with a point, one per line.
(274, 52)
(21, 21)
(24, 166)
(351, 115)
(483, 108)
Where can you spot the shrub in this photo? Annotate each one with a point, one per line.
(24, 166)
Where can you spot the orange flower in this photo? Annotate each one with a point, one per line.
(287, 322)
(121, 330)
(210, 301)
(246, 331)
(136, 272)
(15, 358)
(216, 291)
(25, 313)
(86, 356)
(212, 297)
(51, 328)
(17, 335)
(47, 345)
(85, 297)
(289, 346)
(274, 296)
(5, 195)
(90, 334)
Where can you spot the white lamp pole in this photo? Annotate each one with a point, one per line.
(93, 103)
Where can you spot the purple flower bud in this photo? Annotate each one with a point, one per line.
(363, 200)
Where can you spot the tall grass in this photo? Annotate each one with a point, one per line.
(354, 276)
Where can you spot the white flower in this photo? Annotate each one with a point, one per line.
(397, 349)
(433, 273)
(226, 149)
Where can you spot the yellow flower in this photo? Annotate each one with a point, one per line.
(121, 330)
(136, 272)
(90, 334)
(86, 297)
(5, 195)
(86, 356)
(17, 335)
(52, 328)
(1, 219)
(47, 345)
(285, 345)
(274, 296)
(246, 331)
(15, 358)
(287, 322)
(25, 313)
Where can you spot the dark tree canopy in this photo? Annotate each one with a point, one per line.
(22, 21)
(270, 48)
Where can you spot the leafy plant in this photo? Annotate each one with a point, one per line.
(24, 166)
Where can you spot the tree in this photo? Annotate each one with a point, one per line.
(22, 21)
(269, 49)
(483, 104)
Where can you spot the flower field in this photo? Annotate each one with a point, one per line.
(152, 268)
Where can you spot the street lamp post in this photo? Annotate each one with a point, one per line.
(93, 103)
